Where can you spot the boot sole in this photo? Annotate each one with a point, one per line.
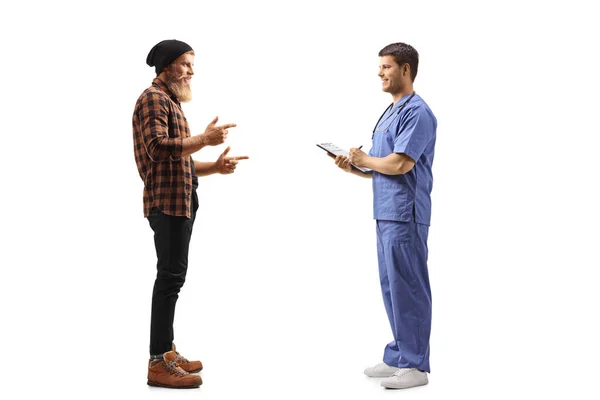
(173, 387)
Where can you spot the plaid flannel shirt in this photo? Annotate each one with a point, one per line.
(159, 128)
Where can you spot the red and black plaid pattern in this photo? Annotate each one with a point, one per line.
(159, 128)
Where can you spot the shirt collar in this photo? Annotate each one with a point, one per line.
(402, 101)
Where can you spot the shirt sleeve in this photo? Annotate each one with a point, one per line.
(154, 120)
(414, 132)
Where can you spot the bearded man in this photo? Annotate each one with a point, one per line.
(163, 146)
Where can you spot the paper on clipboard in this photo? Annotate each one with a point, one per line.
(337, 151)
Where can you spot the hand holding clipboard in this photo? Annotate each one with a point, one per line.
(335, 151)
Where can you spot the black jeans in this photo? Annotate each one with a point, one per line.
(172, 241)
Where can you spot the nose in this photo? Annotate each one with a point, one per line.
(191, 71)
(380, 73)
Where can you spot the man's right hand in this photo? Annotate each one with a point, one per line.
(215, 135)
(342, 162)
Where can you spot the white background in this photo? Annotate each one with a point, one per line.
(282, 296)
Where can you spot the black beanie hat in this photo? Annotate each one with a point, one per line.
(165, 52)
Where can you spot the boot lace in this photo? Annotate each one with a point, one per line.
(181, 359)
(174, 369)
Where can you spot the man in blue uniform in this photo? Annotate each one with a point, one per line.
(401, 158)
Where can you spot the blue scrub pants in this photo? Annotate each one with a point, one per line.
(402, 255)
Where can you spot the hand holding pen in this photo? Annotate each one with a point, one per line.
(357, 156)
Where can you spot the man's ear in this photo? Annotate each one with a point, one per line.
(406, 69)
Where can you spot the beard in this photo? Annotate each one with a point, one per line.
(175, 84)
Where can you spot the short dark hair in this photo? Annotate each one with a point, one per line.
(403, 54)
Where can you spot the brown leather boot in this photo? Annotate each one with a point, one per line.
(185, 364)
(166, 373)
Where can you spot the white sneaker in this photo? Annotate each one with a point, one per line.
(405, 378)
(381, 370)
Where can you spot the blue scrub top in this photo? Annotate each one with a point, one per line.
(405, 197)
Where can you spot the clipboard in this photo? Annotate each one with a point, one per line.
(337, 151)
